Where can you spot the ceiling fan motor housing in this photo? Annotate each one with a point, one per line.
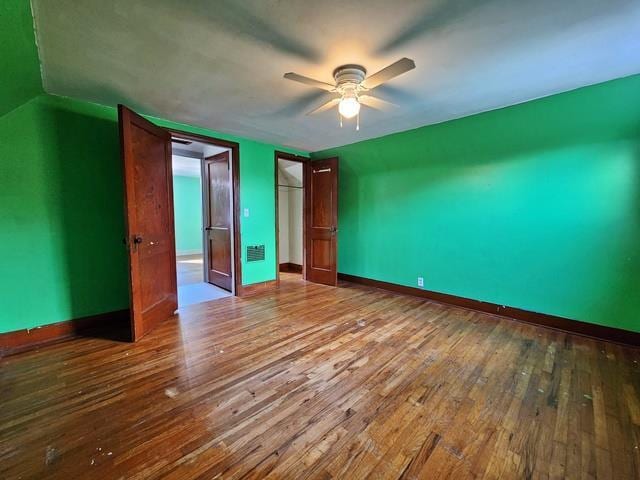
(349, 76)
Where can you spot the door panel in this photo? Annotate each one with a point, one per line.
(321, 254)
(146, 156)
(218, 223)
(321, 209)
(321, 190)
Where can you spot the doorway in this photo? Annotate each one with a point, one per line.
(290, 217)
(147, 150)
(203, 199)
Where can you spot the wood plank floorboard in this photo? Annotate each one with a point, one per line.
(315, 382)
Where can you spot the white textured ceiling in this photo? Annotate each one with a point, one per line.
(289, 173)
(198, 149)
(185, 166)
(219, 64)
(186, 159)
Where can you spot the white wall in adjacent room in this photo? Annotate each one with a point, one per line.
(283, 225)
(290, 214)
(295, 226)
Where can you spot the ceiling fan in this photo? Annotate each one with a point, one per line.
(352, 87)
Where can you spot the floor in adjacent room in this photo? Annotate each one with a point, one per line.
(320, 382)
(191, 285)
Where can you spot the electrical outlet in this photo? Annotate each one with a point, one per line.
(420, 281)
(246, 212)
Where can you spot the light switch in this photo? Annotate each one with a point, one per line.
(246, 212)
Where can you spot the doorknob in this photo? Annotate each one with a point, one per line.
(333, 229)
(136, 240)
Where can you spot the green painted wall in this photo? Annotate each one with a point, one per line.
(19, 64)
(535, 206)
(187, 203)
(61, 211)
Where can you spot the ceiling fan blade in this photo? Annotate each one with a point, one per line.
(376, 103)
(325, 106)
(398, 68)
(304, 102)
(309, 81)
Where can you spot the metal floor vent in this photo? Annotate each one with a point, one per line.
(255, 253)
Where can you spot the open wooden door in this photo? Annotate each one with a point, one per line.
(146, 156)
(218, 225)
(321, 219)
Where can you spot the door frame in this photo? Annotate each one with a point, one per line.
(305, 163)
(235, 195)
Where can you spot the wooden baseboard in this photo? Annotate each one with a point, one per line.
(28, 339)
(577, 327)
(254, 288)
(290, 268)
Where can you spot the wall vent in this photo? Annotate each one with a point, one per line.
(255, 253)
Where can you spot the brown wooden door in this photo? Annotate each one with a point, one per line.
(321, 219)
(146, 154)
(217, 180)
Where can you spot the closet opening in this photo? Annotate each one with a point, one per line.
(290, 213)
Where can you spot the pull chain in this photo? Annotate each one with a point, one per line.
(339, 115)
(358, 121)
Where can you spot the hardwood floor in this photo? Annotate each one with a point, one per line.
(189, 269)
(191, 285)
(320, 382)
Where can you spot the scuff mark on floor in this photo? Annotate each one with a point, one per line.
(171, 392)
(51, 455)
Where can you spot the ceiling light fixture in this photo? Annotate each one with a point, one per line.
(349, 106)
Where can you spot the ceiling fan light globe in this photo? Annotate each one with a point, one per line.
(349, 107)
